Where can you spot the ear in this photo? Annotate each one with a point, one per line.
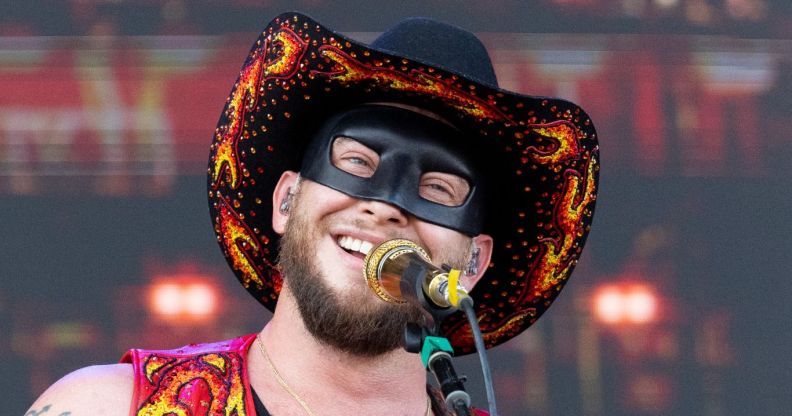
(287, 183)
(484, 243)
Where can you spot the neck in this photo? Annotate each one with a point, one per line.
(328, 380)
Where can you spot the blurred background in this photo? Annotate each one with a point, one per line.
(681, 302)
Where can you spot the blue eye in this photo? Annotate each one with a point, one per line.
(444, 188)
(357, 161)
(353, 157)
(440, 188)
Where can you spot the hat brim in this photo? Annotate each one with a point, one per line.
(544, 164)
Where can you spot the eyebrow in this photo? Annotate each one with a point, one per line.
(345, 139)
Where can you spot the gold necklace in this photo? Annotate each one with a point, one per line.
(294, 394)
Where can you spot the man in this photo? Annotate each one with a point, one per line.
(336, 146)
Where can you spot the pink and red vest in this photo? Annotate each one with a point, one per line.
(198, 380)
(195, 380)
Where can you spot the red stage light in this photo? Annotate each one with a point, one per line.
(625, 303)
(609, 305)
(183, 300)
(199, 299)
(640, 305)
(165, 299)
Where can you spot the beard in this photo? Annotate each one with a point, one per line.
(348, 322)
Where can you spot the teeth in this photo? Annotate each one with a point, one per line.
(366, 247)
(354, 244)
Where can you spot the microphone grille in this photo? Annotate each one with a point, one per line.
(379, 255)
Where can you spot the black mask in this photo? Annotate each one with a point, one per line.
(409, 144)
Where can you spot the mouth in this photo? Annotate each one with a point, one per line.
(356, 247)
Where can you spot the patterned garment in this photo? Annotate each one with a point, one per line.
(195, 380)
(206, 380)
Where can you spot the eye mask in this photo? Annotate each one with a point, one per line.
(409, 144)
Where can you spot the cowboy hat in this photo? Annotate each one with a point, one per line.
(542, 154)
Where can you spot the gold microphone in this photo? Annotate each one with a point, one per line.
(396, 267)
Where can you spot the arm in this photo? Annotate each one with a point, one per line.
(97, 390)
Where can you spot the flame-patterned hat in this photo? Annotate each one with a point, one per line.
(545, 154)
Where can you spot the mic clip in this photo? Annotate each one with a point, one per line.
(436, 353)
(414, 273)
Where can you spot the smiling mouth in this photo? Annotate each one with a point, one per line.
(358, 248)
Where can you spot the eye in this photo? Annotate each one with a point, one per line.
(356, 161)
(354, 157)
(439, 187)
(444, 188)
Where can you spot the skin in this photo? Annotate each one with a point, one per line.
(96, 390)
(339, 383)
(330, 381)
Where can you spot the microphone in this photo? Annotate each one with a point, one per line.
(395, 269)
(400, 271)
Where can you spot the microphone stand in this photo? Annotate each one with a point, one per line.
(435, 350)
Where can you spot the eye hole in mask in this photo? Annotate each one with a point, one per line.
(355, 158)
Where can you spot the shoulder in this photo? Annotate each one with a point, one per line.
(101, 389)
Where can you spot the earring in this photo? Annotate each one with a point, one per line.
(285, 206)
(471, 268)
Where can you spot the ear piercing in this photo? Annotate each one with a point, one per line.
(285, 206)
(471, 268)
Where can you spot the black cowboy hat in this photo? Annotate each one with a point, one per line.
(542, 154)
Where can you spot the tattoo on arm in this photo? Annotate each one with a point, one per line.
(45, 409)
(34, 412)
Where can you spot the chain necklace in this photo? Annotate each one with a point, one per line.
(294, 394)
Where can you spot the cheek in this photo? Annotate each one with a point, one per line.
(442, 243)
(322, 199)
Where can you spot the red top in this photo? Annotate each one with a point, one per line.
(199, 380)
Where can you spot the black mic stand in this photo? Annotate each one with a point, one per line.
(435, 350)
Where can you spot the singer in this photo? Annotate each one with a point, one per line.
(326, 147)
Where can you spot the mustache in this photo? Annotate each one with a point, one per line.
(368, 227)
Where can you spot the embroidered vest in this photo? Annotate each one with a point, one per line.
(204, 380)
(195, 380)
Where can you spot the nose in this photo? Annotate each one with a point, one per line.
(383, 212)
